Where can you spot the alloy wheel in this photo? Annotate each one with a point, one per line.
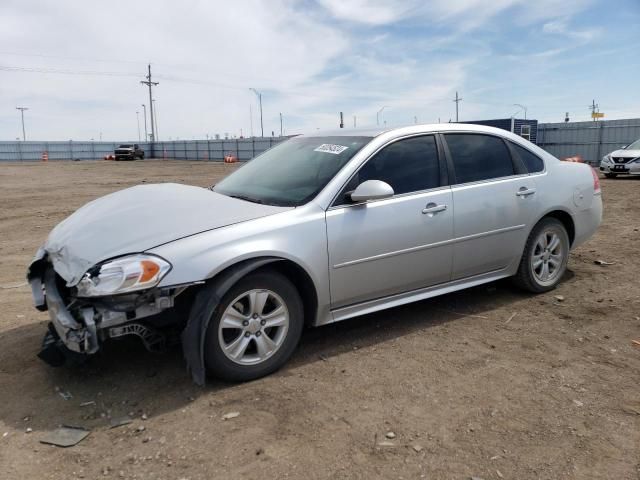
(253, 327)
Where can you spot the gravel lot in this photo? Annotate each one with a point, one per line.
(489, 383)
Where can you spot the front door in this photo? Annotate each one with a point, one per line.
(398, 244)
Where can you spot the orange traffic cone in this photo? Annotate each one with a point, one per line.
(45, 156)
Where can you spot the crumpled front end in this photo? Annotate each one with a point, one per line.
(79, 325)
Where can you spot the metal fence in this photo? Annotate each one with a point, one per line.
(207, 150)
(590, 140)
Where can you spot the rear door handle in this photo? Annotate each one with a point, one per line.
(432, 208)
(524, 192)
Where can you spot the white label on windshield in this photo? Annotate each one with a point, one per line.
(328, 148)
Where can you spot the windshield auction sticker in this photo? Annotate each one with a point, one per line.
(328, 148)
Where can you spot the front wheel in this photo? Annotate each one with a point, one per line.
(545, 257)
(255, 328)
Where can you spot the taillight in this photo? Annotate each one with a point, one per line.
(596, 181)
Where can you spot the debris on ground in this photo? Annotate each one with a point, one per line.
(18, 285)
(86, 404)
(603, 263)
(64, 394)
(386, 443)
(65, 436)
(230, 415)
(119, 421)
(390, 435)
(513, 315)
(417, 448)
(559, 298)
(631, 409)
(636, 342)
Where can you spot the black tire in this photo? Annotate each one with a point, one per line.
(142, 156)
(526, 277)
(611, 175)
(217, 362)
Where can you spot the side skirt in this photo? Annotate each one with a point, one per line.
(398, 299)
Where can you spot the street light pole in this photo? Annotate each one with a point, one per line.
(260, 101)
(138, 120)
(146, 136)
(522, 107)
(156, 137)
(22, 109)
(378, 115)
(280, 124)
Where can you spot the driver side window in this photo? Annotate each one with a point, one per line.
(409, 165)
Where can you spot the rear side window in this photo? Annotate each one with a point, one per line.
(531, 161)
(408, 165)
(478, 157)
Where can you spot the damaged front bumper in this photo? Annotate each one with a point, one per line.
(82, 324)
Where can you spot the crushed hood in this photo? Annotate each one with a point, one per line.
(140, 218)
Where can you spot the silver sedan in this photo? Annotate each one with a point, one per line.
(318, 229)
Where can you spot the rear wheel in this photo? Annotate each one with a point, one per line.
(255, 328)
(611, 175)
(545, 257)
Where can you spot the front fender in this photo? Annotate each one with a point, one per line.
(206, 302)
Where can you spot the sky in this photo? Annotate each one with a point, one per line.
(77, 65)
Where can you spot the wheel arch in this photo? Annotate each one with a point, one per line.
(193, 336)
(566, 219)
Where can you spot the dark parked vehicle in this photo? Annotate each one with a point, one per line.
(129, 152)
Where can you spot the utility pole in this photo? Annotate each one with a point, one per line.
(594, 108)
(260, 101)
(138, 120)
(280, 123)
(415, 120)
(22, 109)
(341, 120)
(156, 137)
(457, 100)
(150, 84)
(146, 135)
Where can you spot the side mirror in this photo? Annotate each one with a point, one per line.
(371, 190)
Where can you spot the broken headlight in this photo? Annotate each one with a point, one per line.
(122, 275)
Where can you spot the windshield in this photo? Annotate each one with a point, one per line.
(634, 146)
(293, 172)
(125, 146)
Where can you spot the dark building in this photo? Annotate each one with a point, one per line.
(525, 128)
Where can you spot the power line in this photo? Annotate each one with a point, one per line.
(58, 71)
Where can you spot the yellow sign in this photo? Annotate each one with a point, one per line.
(597, 115)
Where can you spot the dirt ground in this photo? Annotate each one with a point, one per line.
(489, 383)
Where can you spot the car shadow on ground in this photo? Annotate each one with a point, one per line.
(124, 379)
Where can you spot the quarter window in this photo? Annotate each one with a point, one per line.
(478, 157)
(531, 161)
(408, 165)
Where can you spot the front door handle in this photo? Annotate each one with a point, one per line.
(524, 192)
(432, 208)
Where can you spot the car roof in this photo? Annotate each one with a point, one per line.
(427, 127)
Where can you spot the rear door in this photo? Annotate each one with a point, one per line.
(494, 202)
(398, 244)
